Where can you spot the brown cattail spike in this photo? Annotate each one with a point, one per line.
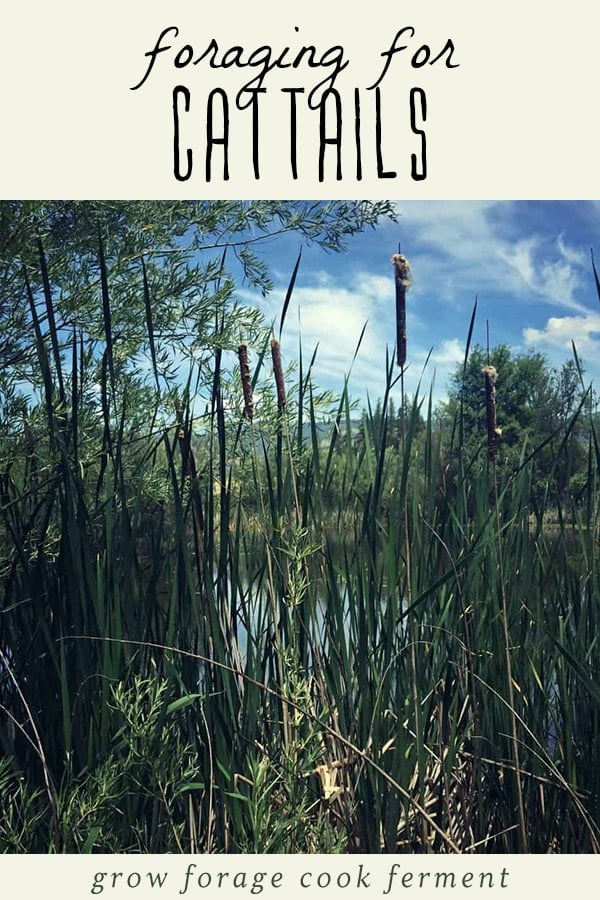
(246, 382)
(493, 432)
(278, 373)
(403, 281)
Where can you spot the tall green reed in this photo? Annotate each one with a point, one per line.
(312, 612)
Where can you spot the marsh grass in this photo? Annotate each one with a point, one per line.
(268, 639)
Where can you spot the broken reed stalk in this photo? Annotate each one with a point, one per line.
(403, 281)
(278, 373)
(246, 381)
(493, 432)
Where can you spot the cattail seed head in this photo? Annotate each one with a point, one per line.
(278, 373)
(493, 432)
(402, 269)
(246, 382)
(403, 281)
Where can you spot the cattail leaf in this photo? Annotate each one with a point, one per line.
(246, 381)
(359, 343)
(149, 323)
(106, 314)
(470, 335)
(184, 702)
(596, 278)
(42, 357)
(75, 397)
(289, 292)
(582, 673)
(53, 331)
(260, 360)
(188, 786)
(92, 836)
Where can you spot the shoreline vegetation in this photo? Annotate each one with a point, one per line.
(229, 627)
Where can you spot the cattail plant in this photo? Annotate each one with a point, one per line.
(356, 660)
(246, 381)
(278, 373)
(403, 281)
(493, 432)
(493, 436)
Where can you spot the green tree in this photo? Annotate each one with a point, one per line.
(114, 320)
(142, 296)
(535, 407)
(193, 251)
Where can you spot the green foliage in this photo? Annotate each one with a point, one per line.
(220, 634)
(133, 801)
(187, 255)
(537, 408)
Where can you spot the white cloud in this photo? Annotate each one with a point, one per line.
(519, 258)
(572, 254)
(556, 280)
(449, 353)
(463, 252)
(583, 331)
(375, 287)
(332, 316)
(521, 273)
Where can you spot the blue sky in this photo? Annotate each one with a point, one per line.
(528, 263)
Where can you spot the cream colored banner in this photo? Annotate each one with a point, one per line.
(435, 99)
(327, 877)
